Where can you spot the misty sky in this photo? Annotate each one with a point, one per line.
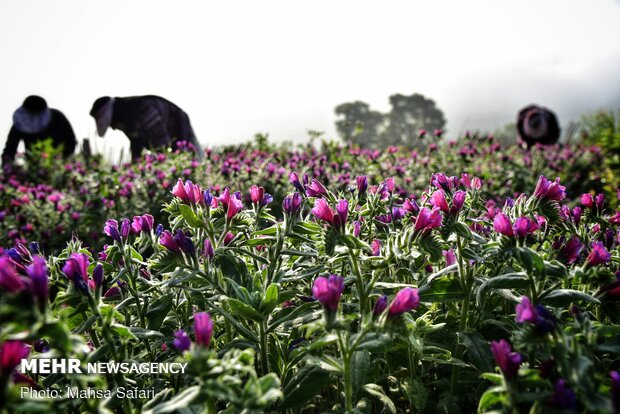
(241, 67)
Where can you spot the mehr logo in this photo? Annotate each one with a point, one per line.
(72, 366)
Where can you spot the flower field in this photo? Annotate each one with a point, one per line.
(465, 277)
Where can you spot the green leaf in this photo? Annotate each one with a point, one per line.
(122, 331)
(190, 217)
(145, 333)
(442, 289)
(243, 309)
(304, 386)
(158, 310)
(270, 301)
(177, 403)
(507, 281)
(563, 297)
(360, 366)
(375, 391)
(492, 397)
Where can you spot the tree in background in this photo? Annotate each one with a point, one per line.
(359, 124)
(401, 126)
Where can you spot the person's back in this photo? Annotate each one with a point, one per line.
(33, 122)
(148, 121)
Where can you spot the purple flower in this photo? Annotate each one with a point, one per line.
(125, 228)
(375, 246)
(428, 219)
(598, 255)
(259, 197)
(142, 224)
(362, 184)
(184, 242)
(328, 291)
(159, 230)
(411, 206)
(188, 192)
(563, 397)
(549, 190)
(228, 238)
(294, 179)
(323, 211)
(450, 257)
(357, 227)
(111, 229)
(524, 226)
(342, 212)
(380, 305)
(11, 355)
(40, 283)
(507, 360)
(615, 389)
(316, 189)
(181, 341)
(10, 281)
(168, 241)
(569, 253)
(76, 269)
(208, 251)
(405, 300)
(98, 275)
(526, 311)
(599, 200)
(473, 183)
(207, 197)
(502, 225)
(203, 328)
(587, 200)
(438, 199)
(291, 204)
(232, 203)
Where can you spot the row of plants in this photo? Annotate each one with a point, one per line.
(375, 293)
(51, 200)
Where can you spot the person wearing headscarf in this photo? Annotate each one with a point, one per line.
(33, 122)
(537, 125)
(148, 121)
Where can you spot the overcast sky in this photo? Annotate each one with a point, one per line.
(241, 67)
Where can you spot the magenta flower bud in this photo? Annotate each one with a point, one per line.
(322, 211)
(411, 206)
(380, 305)
(563, 398)
(181, 341)
(291, 204)
(125, 228)
(316, 189)
(10, 281)
(375, 246)
(449, 256)
(598, 255)
(501, 224)
(389, 183)
(167, 240)
(438, 199)
(294, 179)
(208, 251)
(207, 197)
(257, 194)
(76, 270)
(113, 292)
(111, 229)
(203, 328)
(232, 203)
(228, 238)
(507, 360)
(524, 226)
(98, 275)
(11, 355)
(458, 201)
(184, 242)
(328, 291)
(357, 227)
(599, 201)
(179, 191)
(342, 210)
(471, 183)
(405, 300)
(188, 192)
(428, 219)
(526, 312)
(569, 253)
(362, 184)
(40, 283)
(587, 200)
(549, 190)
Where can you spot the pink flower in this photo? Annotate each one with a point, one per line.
(328, 291)
(549, 190)
(524, 226)
(598, 255)
(526, 312)
(323, 211)
(507, 360)
(428, 219)
(502, 225)
(232, 203)
(203, 328)
(405, 300)
(188, 192)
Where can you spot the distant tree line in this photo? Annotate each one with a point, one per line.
(410, 119)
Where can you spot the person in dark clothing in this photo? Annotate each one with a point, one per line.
(148, 121)
(537, 125)
(34, 121)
